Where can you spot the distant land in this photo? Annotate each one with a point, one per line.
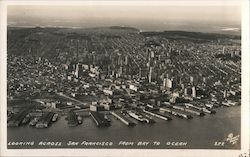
(192, 27)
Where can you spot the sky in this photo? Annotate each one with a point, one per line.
(143, 17)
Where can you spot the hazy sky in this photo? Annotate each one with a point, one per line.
(144, 17)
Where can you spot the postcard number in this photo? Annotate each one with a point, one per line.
(219, 143)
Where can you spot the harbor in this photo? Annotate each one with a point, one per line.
(130, 115)
(161, 130)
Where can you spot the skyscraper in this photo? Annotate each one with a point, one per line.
(150, 74)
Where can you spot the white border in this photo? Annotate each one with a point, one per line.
(131, 152)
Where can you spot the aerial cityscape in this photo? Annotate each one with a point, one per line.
(119, 74)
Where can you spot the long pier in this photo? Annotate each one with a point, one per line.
(194, 111)
(45, 120)
(123, 119)
(99, 119)
(156, 115)
(176, 113)
(72, 119)
(16, 119)
(202, 109)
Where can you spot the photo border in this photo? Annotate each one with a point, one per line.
(129, 152)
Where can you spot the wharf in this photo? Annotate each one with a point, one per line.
(45, 120)
(176, 113)
(123, 119)
(195, 111)
(157, 115)
(17, 119)
(199, 108)
(72, 119)
(99, 119)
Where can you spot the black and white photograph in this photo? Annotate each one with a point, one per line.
(126, 77)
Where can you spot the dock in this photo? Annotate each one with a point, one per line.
(202, 109)
(157, 115)
(193, 106)
(17, 119)
(176, 113)
(197, 111)
(99, 119)
(45, 120)
(72, 119)
(140, 116)
(123, 119)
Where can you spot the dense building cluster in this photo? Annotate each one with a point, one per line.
(113, 68)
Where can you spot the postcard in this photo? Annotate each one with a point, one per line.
(125, 78)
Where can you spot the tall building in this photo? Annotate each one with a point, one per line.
(150, 74)
(232, 54)
(77, 70)
(188, 91)
(152, 54)
(191, 79)
(168, 83)
(120, 71)
(194, 80)
(140, 72)
(193, 92)
(126, 60)
(225, 94)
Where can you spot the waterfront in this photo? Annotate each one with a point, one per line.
(199, 132)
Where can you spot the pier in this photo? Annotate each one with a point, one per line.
(176, 113)
(72, 119)
(157, 115)
(198, 113)
(17, 119)
(196, 110)
(200, 108)
(123, 119)
(45, 120)
(99, 119)
(193, 106)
